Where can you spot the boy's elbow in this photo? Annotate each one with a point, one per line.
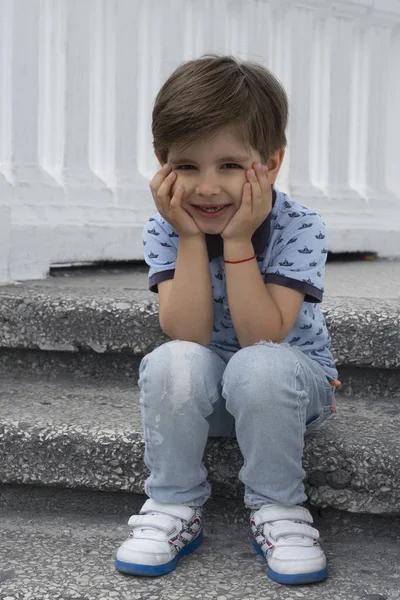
(203, 340)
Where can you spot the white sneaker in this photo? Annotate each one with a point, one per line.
(161, 535)
(284, 537)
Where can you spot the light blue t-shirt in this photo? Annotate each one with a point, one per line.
(291, 250)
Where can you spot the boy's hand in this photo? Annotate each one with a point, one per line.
(255, 208)
(170, 208)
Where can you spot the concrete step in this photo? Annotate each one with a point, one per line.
(114, 313)
(110, 367)
(87, 434)
(61, 544)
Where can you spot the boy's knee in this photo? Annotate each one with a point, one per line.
(176, 364)
(259, 366)
(176, 355)
(175, 375)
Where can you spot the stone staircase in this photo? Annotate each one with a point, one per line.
(70, 348)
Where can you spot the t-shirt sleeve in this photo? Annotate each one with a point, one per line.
(160, 242)
(300, 256)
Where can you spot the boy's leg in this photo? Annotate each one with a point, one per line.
(273, 391)
(179, 388)
(180, 385)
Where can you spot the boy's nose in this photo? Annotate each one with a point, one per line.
(207, 188)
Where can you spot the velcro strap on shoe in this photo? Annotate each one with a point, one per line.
(174, 510)
(290, 529)
(151, 522)
(275, 512)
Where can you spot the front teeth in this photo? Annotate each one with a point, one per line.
(212, 209)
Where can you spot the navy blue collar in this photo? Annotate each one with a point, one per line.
(260, 239)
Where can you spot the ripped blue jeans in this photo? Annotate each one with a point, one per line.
(267, 395)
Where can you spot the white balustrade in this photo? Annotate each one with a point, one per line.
(77, 85)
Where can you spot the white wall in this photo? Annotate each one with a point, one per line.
(77, 82)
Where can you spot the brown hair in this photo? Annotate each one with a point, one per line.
(208, 93)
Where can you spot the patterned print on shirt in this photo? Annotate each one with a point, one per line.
(226, 326)
(286, 263)
(305, 226)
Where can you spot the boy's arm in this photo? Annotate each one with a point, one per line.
(186, 305)
(259, 311)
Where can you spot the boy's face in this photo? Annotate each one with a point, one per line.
(212, 172)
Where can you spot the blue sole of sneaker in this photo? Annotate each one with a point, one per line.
(298, 578)
(155, 570)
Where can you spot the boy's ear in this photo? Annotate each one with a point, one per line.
(274, 164)
(158, 155)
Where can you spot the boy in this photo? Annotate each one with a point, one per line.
(239, 270)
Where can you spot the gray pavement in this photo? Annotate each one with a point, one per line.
(363, 279)
(61, 544)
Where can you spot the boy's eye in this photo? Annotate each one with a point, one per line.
(191, 167)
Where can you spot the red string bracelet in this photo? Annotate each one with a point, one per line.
(235, 262)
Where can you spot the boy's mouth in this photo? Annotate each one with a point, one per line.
(211, 211)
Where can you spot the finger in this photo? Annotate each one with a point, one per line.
(266, 187)
(162, 198)
(255, 187)
(246, 197)
(262, 176)
(164, 191)
(159, 177)
(177, 197)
